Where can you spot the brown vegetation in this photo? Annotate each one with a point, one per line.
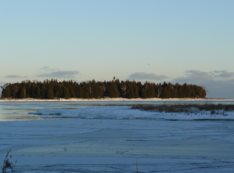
(7, 164)
(192, 108)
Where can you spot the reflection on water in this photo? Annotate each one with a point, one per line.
(16, 111)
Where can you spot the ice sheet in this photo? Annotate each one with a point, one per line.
(108, 145)
(115, 139)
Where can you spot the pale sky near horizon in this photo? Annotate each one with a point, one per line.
(173, 41)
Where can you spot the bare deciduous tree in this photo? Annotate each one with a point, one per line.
(159, 91)
(123, 89)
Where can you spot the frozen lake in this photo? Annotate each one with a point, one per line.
(110, 137)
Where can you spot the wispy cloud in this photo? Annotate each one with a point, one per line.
(223, 74)
(146, 76)
(56, 73)
(194, 75)
(45, 68)
(15, 76)
(60, 74)
(48, 69)
(220, 84)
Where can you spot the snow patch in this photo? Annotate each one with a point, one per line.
(113, 99)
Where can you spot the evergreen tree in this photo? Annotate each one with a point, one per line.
(186, 91)
(43, 91)
(113, 91)
(165, 93)
(95, 90)
(73, 94)
(38, 93)
(85, 91)
(23, 93)
(7, 92)
(60, 91)
(136, 93)
(180, 92)
(13, 93)
(66, 93)
(130, 89)
(143, 94)
(50, 93)
(151, 91)
(80, 92)
(57, 93)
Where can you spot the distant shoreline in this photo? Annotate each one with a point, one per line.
(115, 99)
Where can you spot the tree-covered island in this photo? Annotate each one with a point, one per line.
(50, 89)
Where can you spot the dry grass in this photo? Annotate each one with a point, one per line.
(7, 164)
(187, 108)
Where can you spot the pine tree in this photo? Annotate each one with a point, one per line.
(23, 93)
(73, 95)
(66, 93)
(60, 91)
(43, 91)
(85, 91)
(186, 91)
(143, 94)
(38, 93)
(94, 88)
(151, 91)
(113, 91)
(136, 93)
(165, 93)
(130, 89)
(6, 93)
(50, 93)
(180, 92)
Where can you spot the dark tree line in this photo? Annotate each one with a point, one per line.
(50, 89)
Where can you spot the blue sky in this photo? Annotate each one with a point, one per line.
(173, 41)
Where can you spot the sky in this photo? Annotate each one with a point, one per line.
(155, 41)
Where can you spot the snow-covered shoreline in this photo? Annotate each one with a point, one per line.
(113, 99)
